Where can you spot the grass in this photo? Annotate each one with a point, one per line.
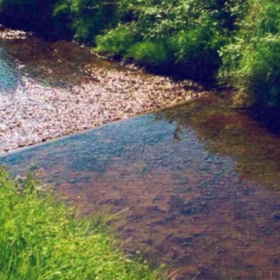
(41, 239)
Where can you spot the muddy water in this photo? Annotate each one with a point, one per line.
(195, 187)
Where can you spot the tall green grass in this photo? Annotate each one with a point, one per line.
(40, 239)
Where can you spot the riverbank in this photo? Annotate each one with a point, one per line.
(34, 112)
(41, 239)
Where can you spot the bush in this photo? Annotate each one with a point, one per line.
(186, 35)
(36, 16)
(57, 19)
(88, 17)
(250, 61)
(117, 41)
(150, 52)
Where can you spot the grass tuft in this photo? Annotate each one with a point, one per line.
(41, 239)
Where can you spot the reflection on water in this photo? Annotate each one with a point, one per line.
(227, 132)
(199, 183)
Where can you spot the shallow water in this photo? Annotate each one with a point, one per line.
(58, 63)
(195, 187)
(8, 77)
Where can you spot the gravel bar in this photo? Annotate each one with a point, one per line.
(34, 113)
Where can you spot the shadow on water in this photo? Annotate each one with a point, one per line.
(250, 137)
(267, 117)
(200, 184)
(59, 63)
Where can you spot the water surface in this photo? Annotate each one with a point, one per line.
(196, 187)
(8, 77)
(59, 63)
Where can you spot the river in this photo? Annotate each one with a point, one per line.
(195, 187)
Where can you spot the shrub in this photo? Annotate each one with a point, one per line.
(184, 34)
(32, 15)
(250, 61)
(88, 17)
(117, 41)
(150, 53)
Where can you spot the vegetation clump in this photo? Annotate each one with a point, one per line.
(251, 59)
(181, 36)
(41, 239)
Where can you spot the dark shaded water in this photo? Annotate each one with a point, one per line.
(58, 63)
(199, 186)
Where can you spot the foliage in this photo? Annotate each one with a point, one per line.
(118, 40)
(88, 17)
(150, 52)
(41, 239)
(54, 19)
(31, 15)
(189, 38)
(183, 34)
(250, 61)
